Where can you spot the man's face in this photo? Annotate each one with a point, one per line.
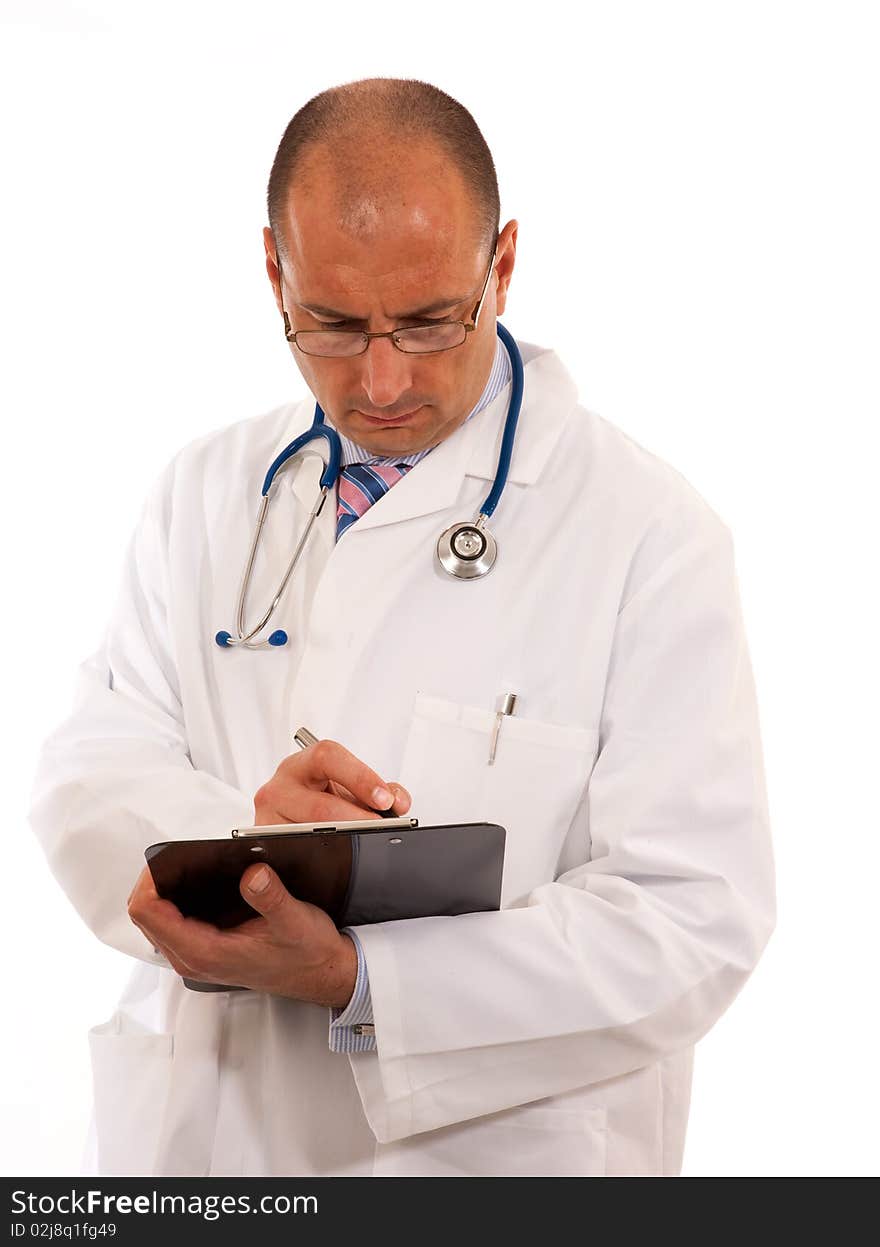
(401, 251)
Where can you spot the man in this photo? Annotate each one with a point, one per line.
(556, 1035)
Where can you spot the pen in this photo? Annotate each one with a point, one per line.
(507, 707)
(303, 737)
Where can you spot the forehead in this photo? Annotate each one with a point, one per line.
(396, 223)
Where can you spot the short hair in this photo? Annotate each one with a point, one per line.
(383, 106)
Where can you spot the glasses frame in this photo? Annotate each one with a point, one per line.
(468, 326)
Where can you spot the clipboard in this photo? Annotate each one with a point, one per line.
(359, 873)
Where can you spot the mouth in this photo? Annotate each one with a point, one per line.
(390, 421)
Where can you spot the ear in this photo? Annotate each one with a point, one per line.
(505, 263)
(272, 265)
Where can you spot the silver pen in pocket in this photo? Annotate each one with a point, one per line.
(507, 708)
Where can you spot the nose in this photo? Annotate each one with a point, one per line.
(387, 372)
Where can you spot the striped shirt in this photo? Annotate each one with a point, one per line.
(346, 1033)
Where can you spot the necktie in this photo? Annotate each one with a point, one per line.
(360, 485)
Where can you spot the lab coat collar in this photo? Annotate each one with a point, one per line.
(435, 483)
(549, 393)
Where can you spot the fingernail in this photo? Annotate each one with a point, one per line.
(381, 798)
(259, 880)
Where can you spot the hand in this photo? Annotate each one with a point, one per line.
(293, 949)
(322, 783)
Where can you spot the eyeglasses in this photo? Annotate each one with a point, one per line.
(416, 340)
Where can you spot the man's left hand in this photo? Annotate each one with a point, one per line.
(293, 949)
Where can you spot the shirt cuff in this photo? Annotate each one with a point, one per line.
(351, 1028)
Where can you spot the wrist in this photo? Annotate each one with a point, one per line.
(345, 977)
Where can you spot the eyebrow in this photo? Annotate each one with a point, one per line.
(437, 306)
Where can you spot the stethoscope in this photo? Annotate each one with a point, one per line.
(466, 551)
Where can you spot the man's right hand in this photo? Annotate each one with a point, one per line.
(325, 782)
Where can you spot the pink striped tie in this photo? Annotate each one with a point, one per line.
(360, 485)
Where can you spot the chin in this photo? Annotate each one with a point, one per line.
(402, 439)
(402, 444)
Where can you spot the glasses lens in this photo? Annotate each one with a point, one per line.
(329, 342)
(420, 340)
(430, 337)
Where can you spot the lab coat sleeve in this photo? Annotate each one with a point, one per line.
(636, 952)
(116, 776)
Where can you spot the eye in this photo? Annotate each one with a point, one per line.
(425, 321)
(421, 320)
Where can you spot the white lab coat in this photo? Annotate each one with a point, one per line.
(554, 1037)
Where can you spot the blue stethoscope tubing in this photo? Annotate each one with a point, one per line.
(472, 537)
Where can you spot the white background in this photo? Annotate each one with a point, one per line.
(697, 191)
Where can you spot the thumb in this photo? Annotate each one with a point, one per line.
(264, 891)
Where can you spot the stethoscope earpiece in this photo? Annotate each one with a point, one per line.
(226, 641)
(466, 551)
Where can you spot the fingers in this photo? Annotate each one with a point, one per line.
(264, 892)
(158, 946)
(329, 761)
(190, 946)
(402, 799)
(323, 782)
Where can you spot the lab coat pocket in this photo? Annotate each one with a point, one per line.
(131, 1072)
(529, 1141)
(532, 789)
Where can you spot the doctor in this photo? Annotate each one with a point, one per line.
(554, 1037)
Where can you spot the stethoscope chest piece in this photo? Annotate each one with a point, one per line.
(467, 551)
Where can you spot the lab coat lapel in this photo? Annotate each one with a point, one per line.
(549, 394)
(435, 483)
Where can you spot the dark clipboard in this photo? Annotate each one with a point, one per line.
(377, 873)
